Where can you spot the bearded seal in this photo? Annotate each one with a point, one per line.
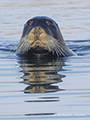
(42, 37)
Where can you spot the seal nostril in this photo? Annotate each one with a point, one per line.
(39, 28)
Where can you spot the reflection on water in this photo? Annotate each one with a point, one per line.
(42, 89)
(41, 74)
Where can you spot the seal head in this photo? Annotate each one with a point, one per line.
(41, 37)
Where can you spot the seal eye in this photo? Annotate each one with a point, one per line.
(49, 22)
(30, 22)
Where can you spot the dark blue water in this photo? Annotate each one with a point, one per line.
(45, 89)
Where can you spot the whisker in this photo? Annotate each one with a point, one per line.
(59, 49)
(12, 49)
(50, 44)
(64, 49)
(23, 46)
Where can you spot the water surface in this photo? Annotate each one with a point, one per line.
(44, 88)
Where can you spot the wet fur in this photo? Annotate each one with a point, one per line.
(37, 37)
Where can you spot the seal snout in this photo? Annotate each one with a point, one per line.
(37, 31)
(37, 36)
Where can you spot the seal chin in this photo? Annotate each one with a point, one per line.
(38, 51)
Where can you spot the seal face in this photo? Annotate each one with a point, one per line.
(41, 37)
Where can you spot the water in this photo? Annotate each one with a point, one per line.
(45, 89)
